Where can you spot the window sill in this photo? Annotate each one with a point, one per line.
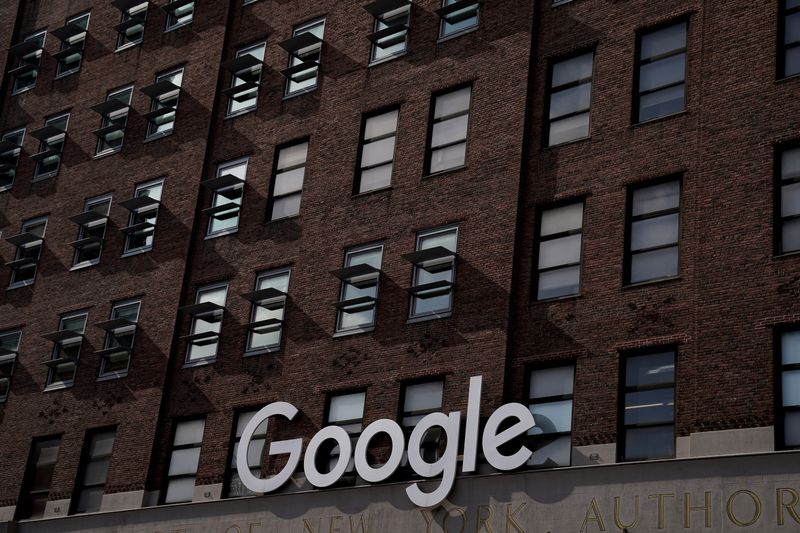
(178, 26)
(381, 61)
(58, 386)
(66, 74)
(42, 177)
(277, 220)
(221, 234)
(128, 46)
(788, 79)
(26, 89)
(158, 136)
(442, 172)
(20, 284)
(112, 377)
(658, 119)
(200, 362)
(81, 266)
(787, 255)
(651, 282)
(372, 192)
(351, 332)
(300, 93)
(6, 188)
(566, 143)
(556, 299)
(107, 153)
(261, 351)
(426, 318)
(241, 112)
(131, 253)
(458, 34)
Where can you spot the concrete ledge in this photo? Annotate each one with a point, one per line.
(207, 493)
(733, 442)
(56, 509)
(121, 501)
(594, 455)
(7, 514)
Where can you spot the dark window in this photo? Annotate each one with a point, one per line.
(91, 232)
(661, 72)
(559, 251)
(434, 273)
(29, 58)
(245, 69)
(570, 99)
(789, 387)
(94, 471)
(73, 41)
(255, 454)
(268, 311)
(68, 340)
(648, 415)
(9, 349)
(389, 36)
(789, 45)
(653, 232)
(358, 295)
(10, 149)
(447, 131)
(419, 399)
(179, 13)
(130, 30)
(52, 138)
(115, 357)
(788, 188)
(29, 243)
(550, 400)
(38, 477)
(164, 96)
(347, 412)
(144, 207)
(227, 192)
(206, 313)
(376, 152)
(114, 113)
(305, 55)
(287, 180)
(458, 16)
(183, 460)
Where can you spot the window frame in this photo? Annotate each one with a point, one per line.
(126, 16)
(102, 373)
(44, 145)
(56, 353)
(778, 220)
(405, 469)
(162, 498)
(172, 22)
(339, 330)
(88, 204)
(215, 193)
(60, 74)
(530, 401)
(783, 49)
(273, 179)
(780, 409)
(271, 348)
(30, 37)
(427, 172)
(85, 460)
(241, 51)
(297, 30)
(550, 91)
(126, 250)
(349, 476)
(5, 136)
(12, 284)
(416, 317)
(443, 36)
(357, 183)
(106, 121)
(24, 510)
(199, 290)
(233, 442)
(150, 134)
(12, 358)
(538, 240)
(380, 19)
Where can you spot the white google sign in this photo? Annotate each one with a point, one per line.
(445, 466)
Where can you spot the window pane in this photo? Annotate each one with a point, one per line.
(448, 131)
(554, 417)
(791, 427)
(663, 41)
(568, 129)
(450, 157)
(180, 490)
(651, 369)
(560, 219)
(790, 199)
(649, 407)
(292, 155)
(453, 102)
(450, 29)
(654, 265)
(376, 178)
(184, 461)
(435, 304)
(653, 232)
(791, 64)
(346, 407)
(790, 236)
(656, 198)
(790, 163)
(356, 320)
(572, 70)
(556, 452)
(650, 443)
(552, 382)
(244, 418)
(380, 125)
(189, 432)
(96, 472)
(792, 33)
(288, 182)
(790, 348)
(90, 500)
(423, 396)
(288, 206)
(660, 103)
(377, 152)
(663, 72)
(556, 283)
(445, 239)
(791, 388)
(561, 251)
(571, 100)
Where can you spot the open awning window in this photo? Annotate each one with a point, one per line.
(67, 342)
(305, 49)
(358, 295)
(28, 242)
(120, 332)
(164, 97)
(206, 323)
(28, 56)
(227, 193)
(114, 119)
(458, 16)
(9, 348)
(434, 272)
(52, 138)
(130, 30)
(390, 30)
(73, 42)
(268, 310)
(246, 71)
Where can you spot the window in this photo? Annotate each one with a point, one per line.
(206, 316)
(29, 57)
(227, 192)
(38, 478)
(29, 243)
(130, 30)
(52, 138)
(653, 231)
(305, 50)
(255, 452)
(376, 152)
(179, 13)
(570, 99)
(358, 295)
(245, 69)
(92, 231)
(68, 340)
(120, 328)
(447, 131)
(184, 460)
(114, 113)
(390, 31)
(287, 181)
(10, 148)
(550, 400)
(649, 406)
(268, 311)
(559, 251)
(458, 16)
(787, 235)
(94, 471)
(661, 72)
(346, 411)
(73, 41)
(144, 207)
(789, 50)
(418, 400)
(164, 96)
(788, 421)
(9, 348)
(434, 273)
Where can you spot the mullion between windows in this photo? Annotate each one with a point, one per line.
(662, 88)
(665, 55)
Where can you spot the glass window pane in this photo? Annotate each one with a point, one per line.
(792, 29)
(450, 157)
(445, 239)
(452, 102)
(96, 472)
(435, 304)
(790, 236)
(378, 152)
(790, 163)
(561, 282)
(560, 219)
(791, 63)
(650, 369)
(376, 178)
(791, 428)
(90, 500)
(790, 199)
(649, 407)
(180, 490)
(571, 100)
(380, 125)
(653, 232)
(189, 432)
(552, 453)
(423, 396)
(552, 382)
(292, 155)
(102, 444)
(663, 41)
(572, 70)
(661, 103)
(244, 418)
(654, 265)
(563, 251)
(184, 461)
(663, 72)
(287, 206)
(656, 198)
(450, 130)
(554, 417)
(790, 348)
(650, 443)
(791, 388)
(346, 407)
(568, 129)
(288, 182)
